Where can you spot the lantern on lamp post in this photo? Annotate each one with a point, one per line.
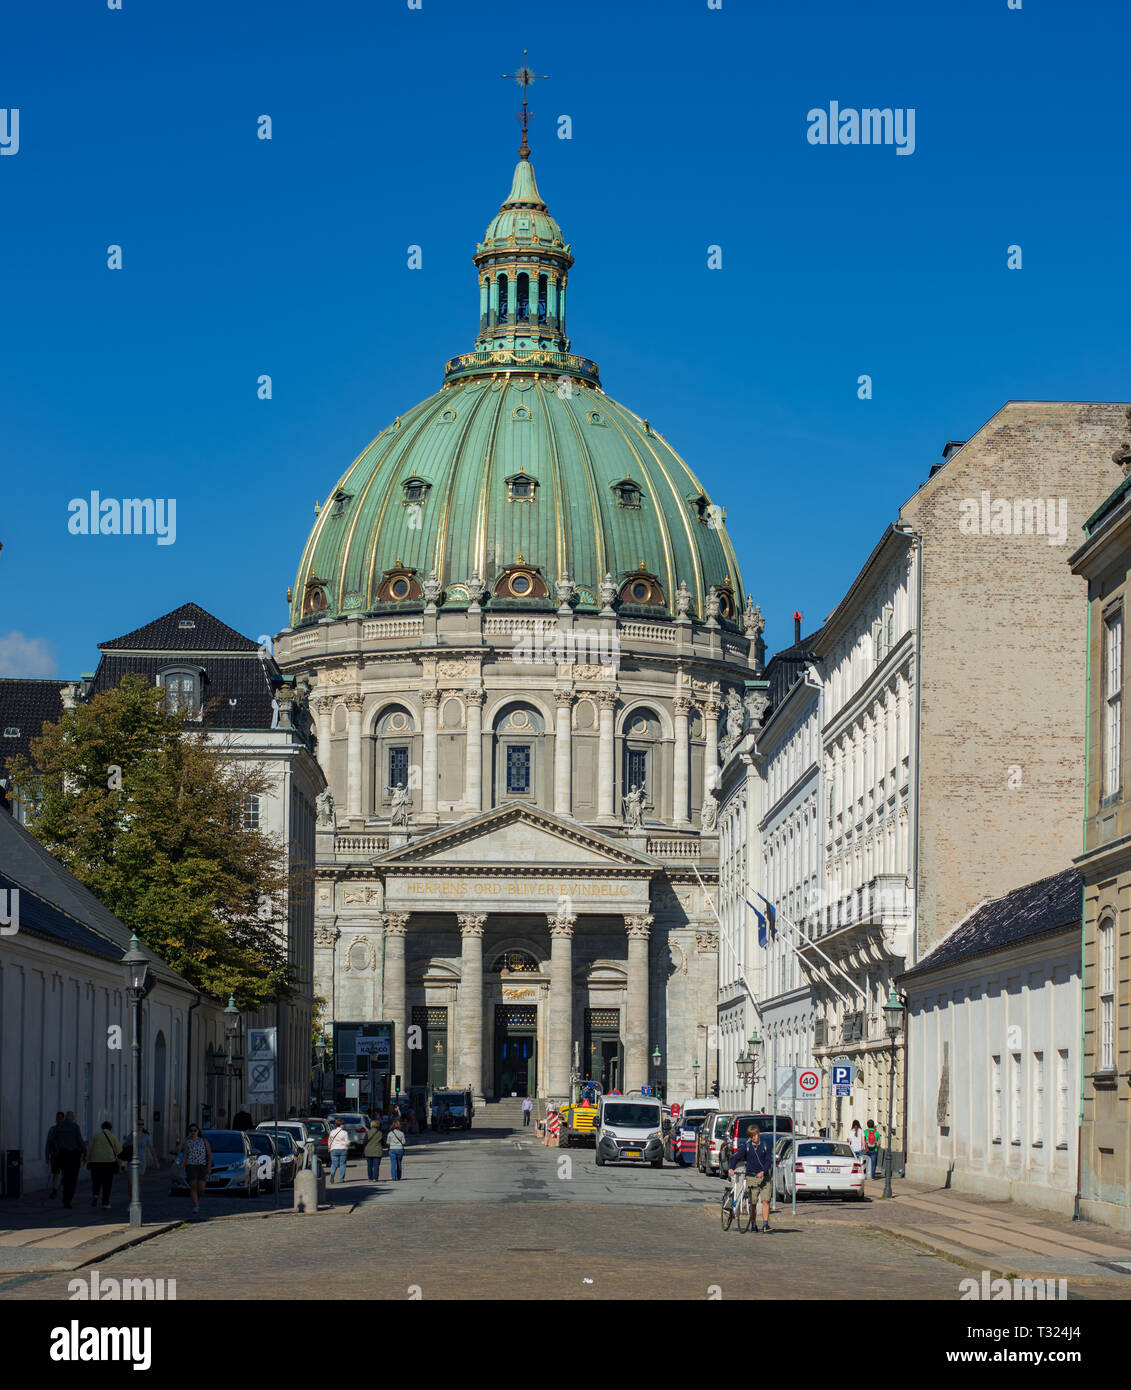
(135, 964)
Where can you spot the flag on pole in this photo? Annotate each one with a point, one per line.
(771, 914)
(763, 937)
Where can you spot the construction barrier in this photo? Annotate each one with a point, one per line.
(553, 1124)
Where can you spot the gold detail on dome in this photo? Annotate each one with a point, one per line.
(521, 559)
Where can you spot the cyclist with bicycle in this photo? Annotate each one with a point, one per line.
(754, 1166)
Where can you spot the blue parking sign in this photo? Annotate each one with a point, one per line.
(843, 1075)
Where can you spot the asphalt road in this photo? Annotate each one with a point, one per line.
(491, 1215)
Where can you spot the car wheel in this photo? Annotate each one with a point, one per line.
(658, 1162)
(600, 1161)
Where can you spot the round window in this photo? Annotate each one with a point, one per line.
(520, 584)
(640, 591)
(398, 722)
(400, 588)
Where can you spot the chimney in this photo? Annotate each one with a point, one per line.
(796, 627)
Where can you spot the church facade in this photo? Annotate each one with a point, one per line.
(521, 630)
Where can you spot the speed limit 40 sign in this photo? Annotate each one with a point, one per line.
(808, 1082)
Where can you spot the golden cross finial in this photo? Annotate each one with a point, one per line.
(524, 77)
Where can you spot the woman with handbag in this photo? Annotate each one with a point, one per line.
(102, 1159)
(396, 1149)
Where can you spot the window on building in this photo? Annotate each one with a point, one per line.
(636, 771)
(1113, 702)
(518, 769)
(1062, 1098)
(1015, 1098)
(182, 691)
(995, 1100)
(1038, 1099)
(398, 766)
(251, 813)
(1107, 995)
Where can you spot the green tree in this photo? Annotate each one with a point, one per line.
(147, 812)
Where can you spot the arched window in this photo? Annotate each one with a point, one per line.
(515, 963)
(518, 753)
(640, 739)
(393, 740)
(503, 287)
(522, 298)
(182, 687)
(542, 299)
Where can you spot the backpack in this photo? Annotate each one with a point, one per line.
(871, 1139)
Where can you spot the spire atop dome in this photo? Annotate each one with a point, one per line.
(524, 189)
(524, 77)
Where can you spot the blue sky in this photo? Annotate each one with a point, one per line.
(391, 127)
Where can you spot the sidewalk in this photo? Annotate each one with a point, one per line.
(1006, 1238)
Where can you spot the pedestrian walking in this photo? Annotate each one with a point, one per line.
(396, 1149)
(527, 1108)
(871, 1148)
(856, 1142)
(51, 1152)
(339, 1149)
(102, 1158)
(375, 1150)
(148, 1153)
(195, 1153)
(71, 1149)
(755, 1154)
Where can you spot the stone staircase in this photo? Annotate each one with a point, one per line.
(505, 1114)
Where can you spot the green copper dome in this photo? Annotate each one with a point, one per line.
(519, 472)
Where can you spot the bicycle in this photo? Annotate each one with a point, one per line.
(736, 1202)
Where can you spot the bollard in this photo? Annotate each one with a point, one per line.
(310, 1188)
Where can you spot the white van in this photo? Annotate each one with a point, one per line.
(630, 1129)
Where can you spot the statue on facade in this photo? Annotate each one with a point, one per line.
(608, 592)
(324, 804)
(565, 589)
(682, 599)
(401, 805)
(432, 590)
(736, 719)
(709, 811)
(753, 622)
(714, 604)
(634, 807)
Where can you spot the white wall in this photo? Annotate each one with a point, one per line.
(1023, 1004)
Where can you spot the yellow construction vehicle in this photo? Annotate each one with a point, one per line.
(579, 1117)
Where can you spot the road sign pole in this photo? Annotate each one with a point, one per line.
(794, 1112)
(774, 1122)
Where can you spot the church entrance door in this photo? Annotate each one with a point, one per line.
(603, 1050)
(516, 1029)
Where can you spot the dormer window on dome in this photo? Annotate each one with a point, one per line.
(642, 589)
(725, 595)
(399, 585)
(521, 581)
(314, 602)
(521, 487)
(415, 490)
(339, 502)
(628, 493)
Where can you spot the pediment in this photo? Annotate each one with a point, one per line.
(518, 837)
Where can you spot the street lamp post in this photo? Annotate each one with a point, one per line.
(136, 967)
(320, 1054)
(893, 1017)
(657, 1058)
(695, 1069)
(231, 1028)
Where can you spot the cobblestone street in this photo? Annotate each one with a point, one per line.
(492, 1215)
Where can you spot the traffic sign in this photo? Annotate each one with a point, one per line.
(261, 1043)
(353, 1088)
(261, 1081)
(843, 1074)
(809, 1082)
(842, 1091)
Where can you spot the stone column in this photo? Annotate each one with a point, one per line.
(431, 700)
(323, 707)
(473, 754)
(712, 708)
(395, 1008)
(470, 1054)
(606, 780)
(636, 1004)
(681, 792)
(354, 704)
(560, 1031)
(563, 753)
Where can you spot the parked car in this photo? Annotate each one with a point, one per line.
(235, 1165)
(320, 1130)
(736, 1132)
(681, 1140)
(709, 1140)
(823, 1166)
(303, 1138)
(356, 1128)
(288, 1158)
(271, 1155)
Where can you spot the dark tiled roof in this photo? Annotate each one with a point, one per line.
(26, 705)
(1049, 905)
(207, 634)
(785, 669)
(243, 679)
